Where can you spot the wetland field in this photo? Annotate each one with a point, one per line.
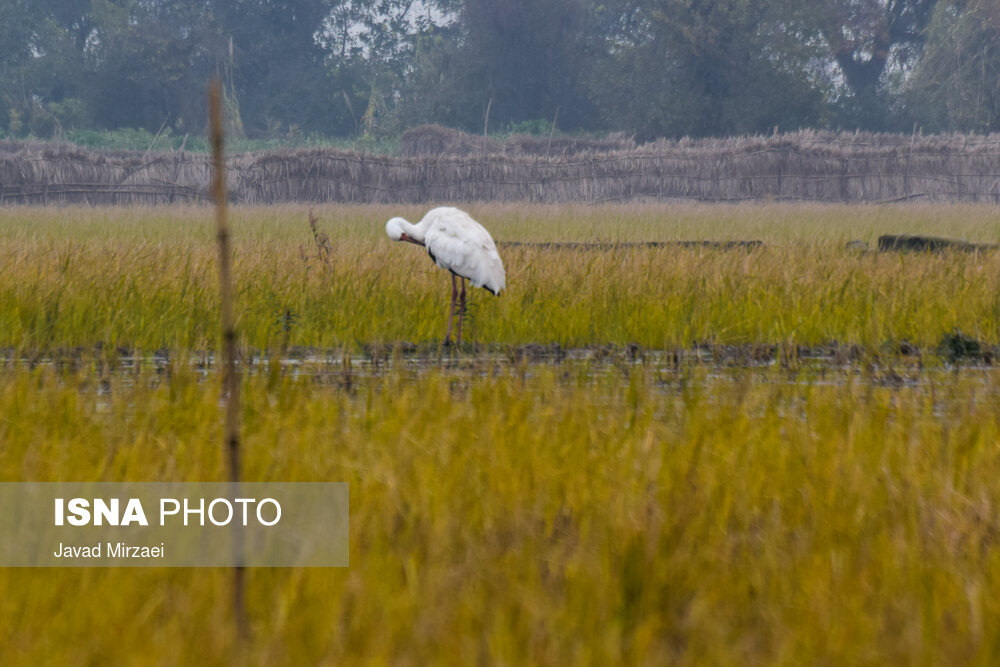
(667, 454)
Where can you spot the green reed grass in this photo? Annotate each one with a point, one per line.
(570, 514)
(576, 513)
(143, 278)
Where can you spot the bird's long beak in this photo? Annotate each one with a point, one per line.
(404, 237)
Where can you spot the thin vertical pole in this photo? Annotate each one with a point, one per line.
(230, 378)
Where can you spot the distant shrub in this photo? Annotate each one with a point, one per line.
(127, 139)
(538, 126)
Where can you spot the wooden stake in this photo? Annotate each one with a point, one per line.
(230, 378)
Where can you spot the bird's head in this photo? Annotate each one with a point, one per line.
(399, 229)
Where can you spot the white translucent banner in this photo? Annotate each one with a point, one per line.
(157, 524)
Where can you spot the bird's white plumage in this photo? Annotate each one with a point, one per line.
(457, 243)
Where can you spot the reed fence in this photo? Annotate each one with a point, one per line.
(802, 166)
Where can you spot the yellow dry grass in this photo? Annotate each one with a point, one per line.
(572, 514)
(144, 278)
(580, 512)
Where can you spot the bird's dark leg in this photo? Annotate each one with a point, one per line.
(461, 313)
(451, 312)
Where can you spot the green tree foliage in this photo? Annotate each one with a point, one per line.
(144, 63)
(956, 86)
(502, 62)
(278, 67)
(686, 67)
(523, 60)
(144, 60)
(863, 34)
(372, 68)
(867, 40)
(370, 46)
(40, 78)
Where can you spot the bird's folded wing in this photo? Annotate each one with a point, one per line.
(468, 250)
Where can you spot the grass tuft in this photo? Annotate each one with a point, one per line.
(142, 278)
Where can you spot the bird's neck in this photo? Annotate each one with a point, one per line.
(412, 233)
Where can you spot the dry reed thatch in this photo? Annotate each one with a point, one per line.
(802, 166)
(61, 173)
(528, 144)
(435, 140)
(440, 140)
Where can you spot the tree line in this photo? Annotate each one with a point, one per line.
(369, 68)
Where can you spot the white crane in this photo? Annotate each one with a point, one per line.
(459, 244)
